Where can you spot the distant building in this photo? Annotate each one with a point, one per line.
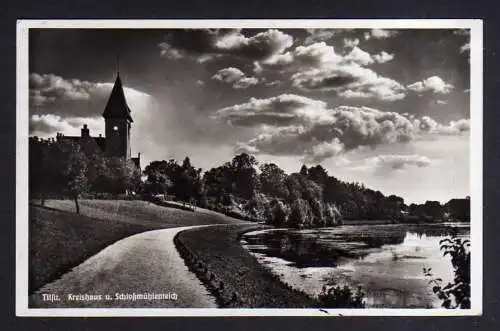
(118, 123)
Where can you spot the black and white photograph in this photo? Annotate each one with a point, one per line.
(249, 167)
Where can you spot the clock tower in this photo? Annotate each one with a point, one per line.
(118, 123)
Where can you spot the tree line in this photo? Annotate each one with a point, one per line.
(65, 169)
(241, 187)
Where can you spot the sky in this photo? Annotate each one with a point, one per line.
(386, 108)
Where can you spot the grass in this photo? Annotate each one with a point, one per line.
(236, 278)
(59, 239)
(141, 212)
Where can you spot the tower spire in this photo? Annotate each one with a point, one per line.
(118, 63)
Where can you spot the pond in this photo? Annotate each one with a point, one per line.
(387, 261)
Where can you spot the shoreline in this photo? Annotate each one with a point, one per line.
(238, 280)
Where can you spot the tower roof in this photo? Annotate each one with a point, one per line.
(117, 104)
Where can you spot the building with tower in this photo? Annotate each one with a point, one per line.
(118, 123)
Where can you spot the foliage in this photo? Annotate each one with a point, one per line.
(331, 214)
(64, 168)
(317, 210)
(244, 175)
(272, 180)
(336, 296)
(158, 177)
(277, 213)
(300, 215)
(455, 294)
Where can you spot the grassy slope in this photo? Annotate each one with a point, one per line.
(141, 212)
(217, 251)
(59, 239)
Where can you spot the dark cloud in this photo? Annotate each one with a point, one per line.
(360, 83)
(205, 43)
(49, 93)
(296, 125)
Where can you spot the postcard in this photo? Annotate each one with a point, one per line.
(249, 168)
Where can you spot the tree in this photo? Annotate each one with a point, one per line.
(272, 180)
(332, 214)
(162, 176)
(75, 172)
(244, 175)
(277, 213)
(304, 171)
(459, 209)
(187, 182)
(218, 181)
(434, 209)
(317, 174)
(121, 175)
(317, 211)
(300, 215)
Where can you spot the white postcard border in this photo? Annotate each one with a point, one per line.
(476, 165)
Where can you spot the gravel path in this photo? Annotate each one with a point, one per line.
(146, 263)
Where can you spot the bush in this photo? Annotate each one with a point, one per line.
(300, 215)
(280, 213)
(456, 294)
(256, 207)
(317, 209)
(332, 215)
(341, 297)
(276, 213)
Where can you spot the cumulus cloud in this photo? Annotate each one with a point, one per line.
(236, 77)
(319, 67)
(203, 44)
(318, 56)
(350, 81)
(49, 93)
(351, 43)
(383, 57)
(315, 35)
(47, 124)
(49, 88)
(432, 84)
(391, 162)
(325, 150)
(359, 56)
(290, 124)
(381, 33)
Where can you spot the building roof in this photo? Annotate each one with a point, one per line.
(91, 145)
(117, 104)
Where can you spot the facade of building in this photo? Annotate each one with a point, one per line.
(118, 123)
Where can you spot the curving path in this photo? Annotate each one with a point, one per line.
(143, 263)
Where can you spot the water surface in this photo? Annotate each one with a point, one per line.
(386, 260)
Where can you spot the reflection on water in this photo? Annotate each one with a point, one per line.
(386, 260)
